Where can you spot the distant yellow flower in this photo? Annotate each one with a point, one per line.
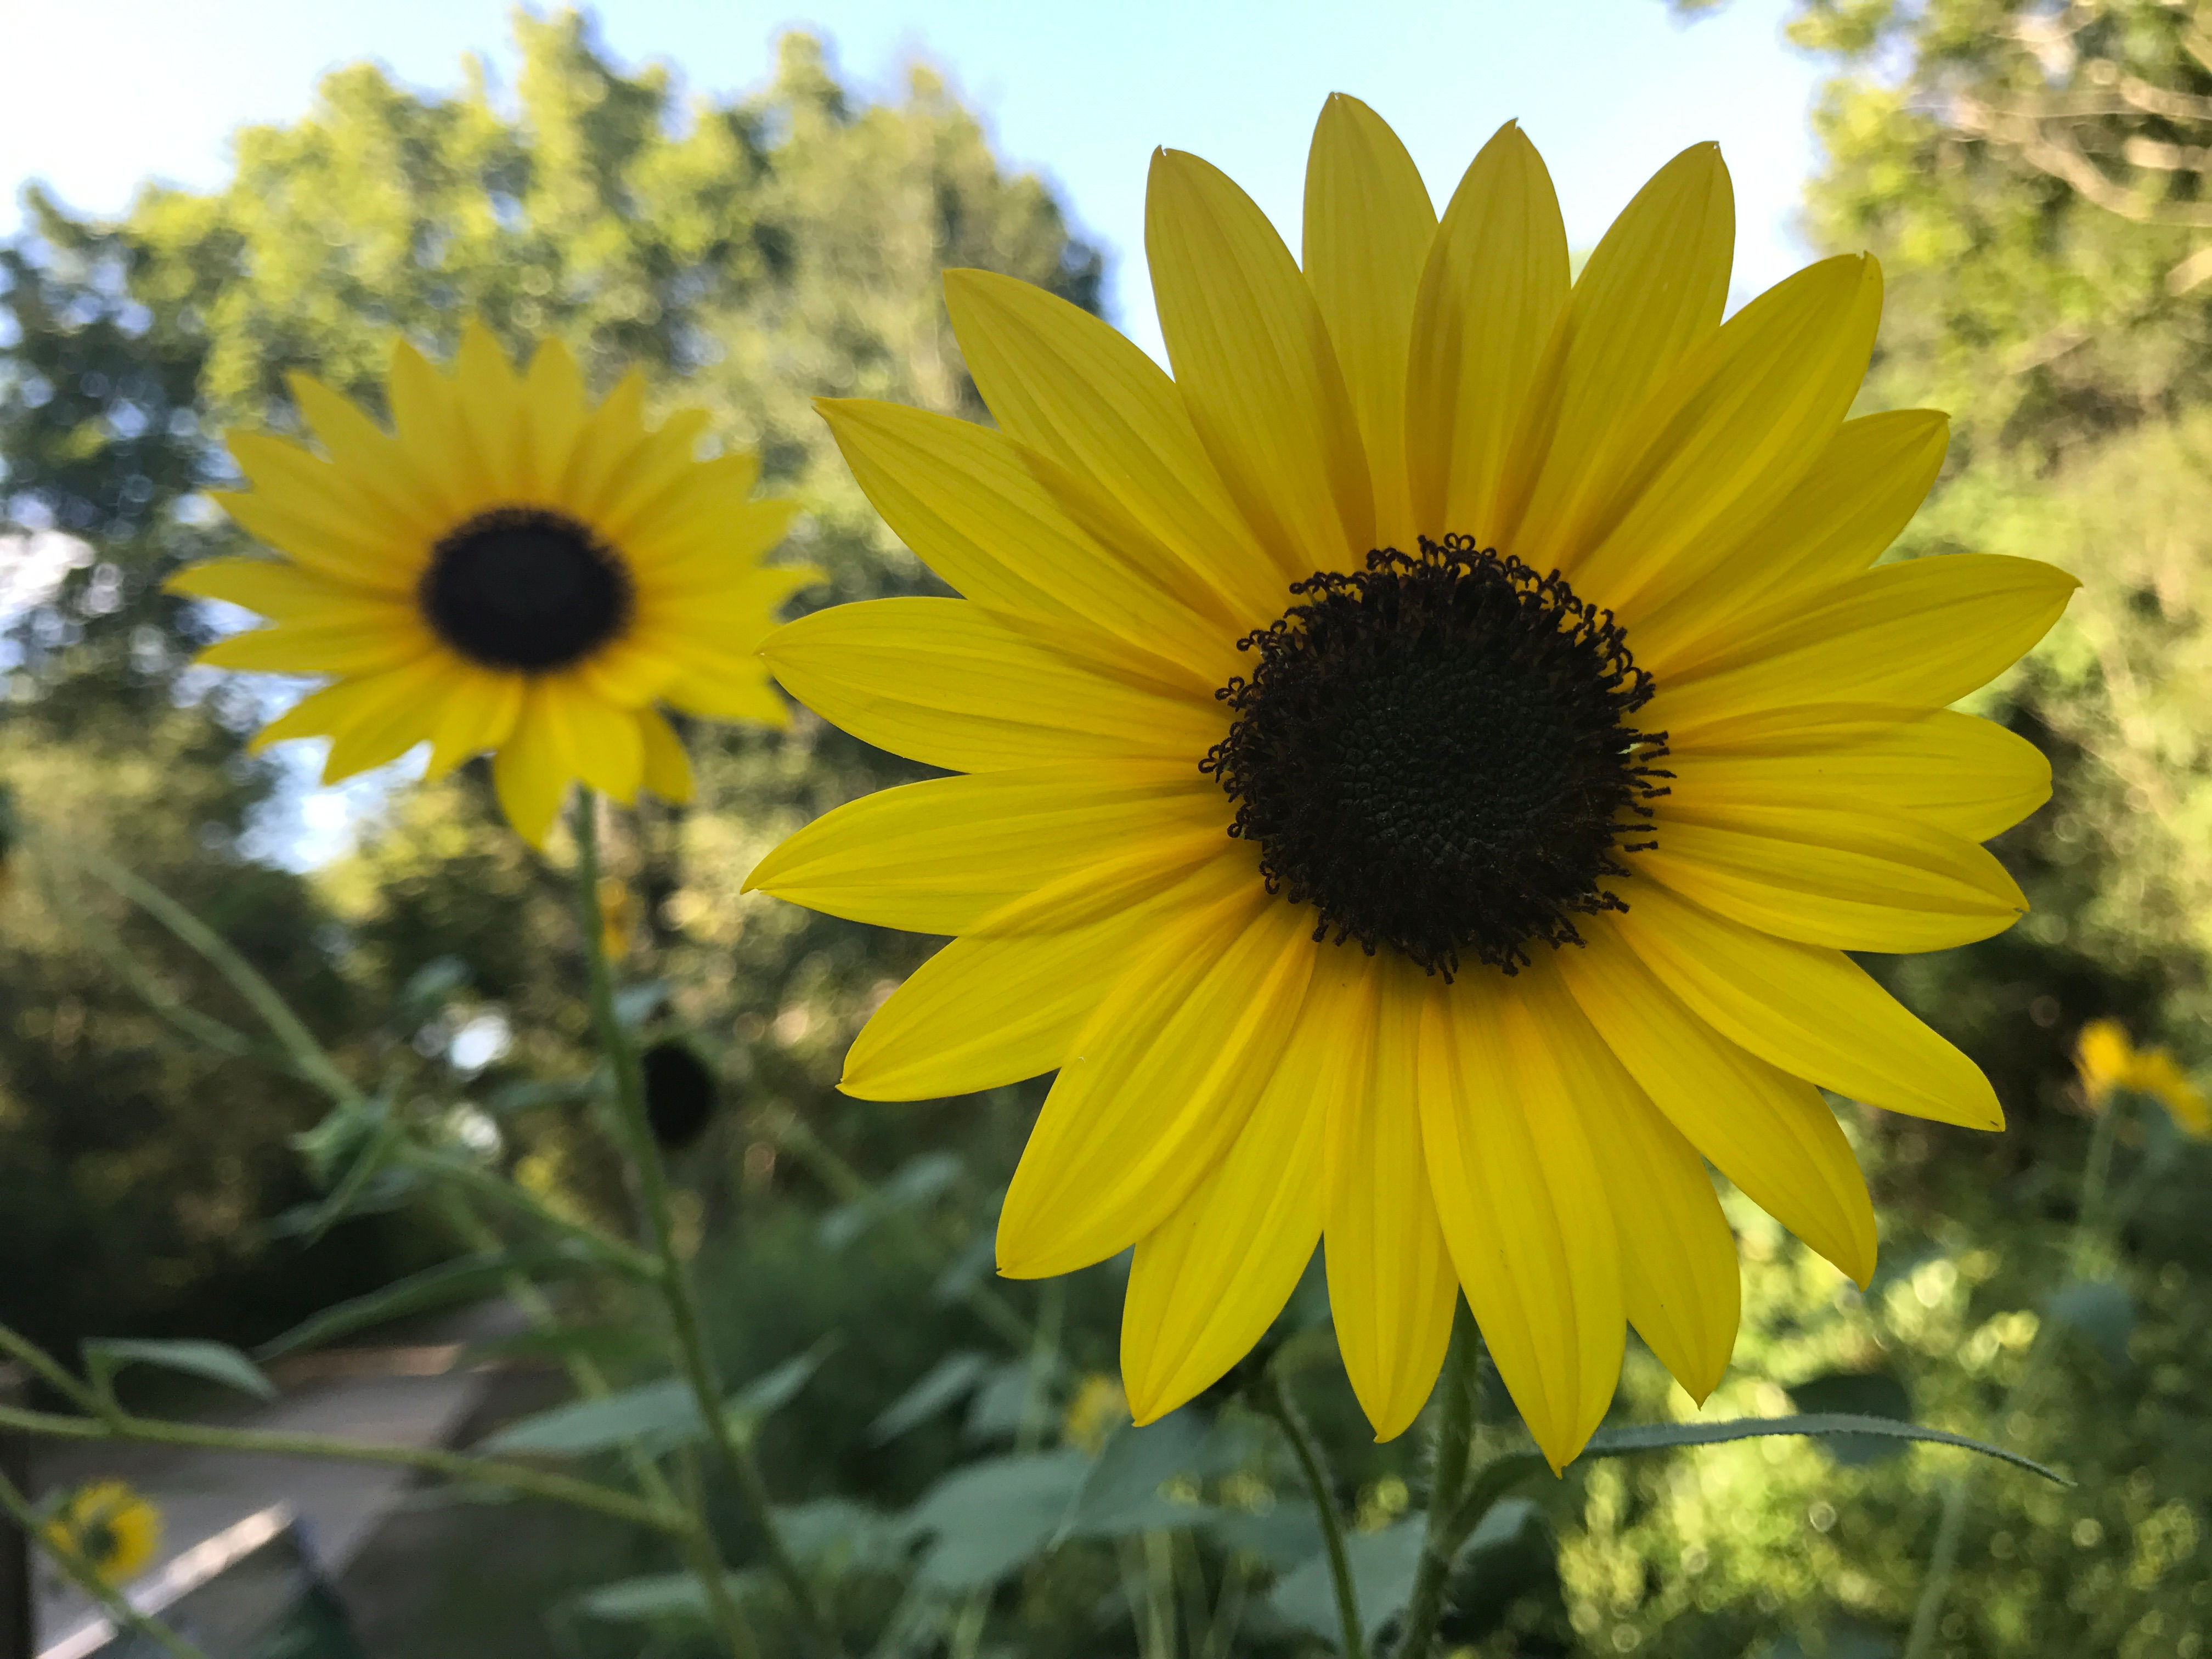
(1424, 765)
(2108, 1061)
(1099, 1407)
(617, 915)
(508, 570)
(109, 1528)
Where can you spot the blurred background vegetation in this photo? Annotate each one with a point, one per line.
(2034, 177)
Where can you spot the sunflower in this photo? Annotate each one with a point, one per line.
(2108, 1061)
(511, 570)
(1423, 765)
(108, 1527)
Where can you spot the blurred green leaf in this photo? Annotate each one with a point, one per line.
(1121, 1494)
(2098, 1310)
(774, 1388)
(1869, 1393)
(1002, 1400)
(526, 1095)
(660, 1598)
(990, 1518)
(655, 1414)
(967, 1270)
(634, 1004)
(217, 1361)
(1382, 1568)
(953, 1377)
(1283, 1536)
(466, 1279)
(841, 1534)
(428, 988)
(919, 1180)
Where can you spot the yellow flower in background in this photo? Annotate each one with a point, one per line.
(2107, 1061)
(618, 917)
(1098, 1409)
(109, 1528)
(1452, 902)
(509, 569)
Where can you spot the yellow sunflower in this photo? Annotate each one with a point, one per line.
(2108, 1061)
(109, 1528)
(1426, 764)
(509, 569)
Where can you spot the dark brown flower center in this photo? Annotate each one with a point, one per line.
(526, 588)
(1435, 754)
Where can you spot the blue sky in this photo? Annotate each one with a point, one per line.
(103, 94)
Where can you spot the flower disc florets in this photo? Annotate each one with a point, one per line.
(1434, 754)
(526, 588)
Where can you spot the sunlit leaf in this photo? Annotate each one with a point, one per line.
(218, 1362)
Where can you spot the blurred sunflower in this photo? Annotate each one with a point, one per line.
(2108, 1061)
(509, 569)
(109, 1528)
(1521, 635)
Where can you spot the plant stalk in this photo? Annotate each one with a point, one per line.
(1455, 1436)
(677, 1293)
(1277, 1401)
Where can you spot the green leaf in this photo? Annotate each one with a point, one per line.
(990, 1518)
(917, 1181)
(660, 1598)
(1871, 1394)
(950, 1378)
(774, 1388)
(1382, 1564)
(1659, 1436)
(967, 1270)
(843, 1535)
(526, 1095)
(1283, 1537)
(466, 1279)
(1002, 1401)
(2098, 1310)
(217, 1361)
(658, 1414)
(1121, 1494)
(429, 987)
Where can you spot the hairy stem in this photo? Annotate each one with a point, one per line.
(1276, 1401)
(1447, 1483)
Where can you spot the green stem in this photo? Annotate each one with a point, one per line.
(306, 1055)
(1448, 1478)
(616, 1252)
(457, 1465)
(677, 1293)
(111, 1598)
(1275, 1400)
(56, 1374)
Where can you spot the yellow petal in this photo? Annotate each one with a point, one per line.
(1128, 875)
(1743, 418)
(1862, 489)
(971, 505)
(361, 640)
(1390, 1287)
(368, 455)
(612, 434)
(1651, 293)
(985, 1012)
(1157, 1084)
(426, 424)
(1679, 1279)
(529, 774)
(389, 714)
(631, 671)
(1855, 877)
(592, 739)
(1809, 1010)
(1257, 372)
(1523, 1209)
(480, 708)
(486, 400)
(941, 682)
(275, 587)
(1956, 772)
(1768, 1132)
(1918, 635)
(667, 765)
(1208, 1281)
(1368, 227)
(724, 686)
(1065, 385)
(553, 409)
(1493, 289)
(937, 857)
